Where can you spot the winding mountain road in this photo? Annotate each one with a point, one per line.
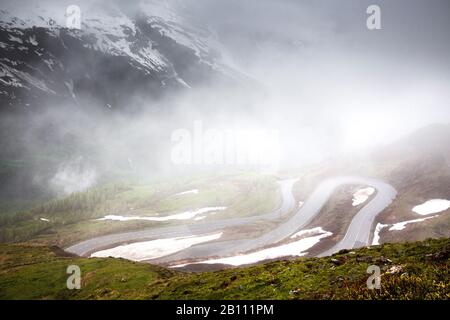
(85, 248)
(358, 232)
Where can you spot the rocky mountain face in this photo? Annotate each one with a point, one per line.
(115, 55)
(122, 56)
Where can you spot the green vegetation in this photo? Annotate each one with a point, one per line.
(409, 271)
(71, 218)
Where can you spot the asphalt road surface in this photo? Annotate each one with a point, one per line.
(358, 232)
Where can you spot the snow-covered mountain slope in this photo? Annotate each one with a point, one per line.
(118, 53)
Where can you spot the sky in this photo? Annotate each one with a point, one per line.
(329, 85)
(324, 65)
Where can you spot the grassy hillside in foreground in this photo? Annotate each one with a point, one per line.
(409, 271)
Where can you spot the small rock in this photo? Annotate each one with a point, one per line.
(441, 255)
(294, 291)
(382, 259)
(364, 259)
(336, 261)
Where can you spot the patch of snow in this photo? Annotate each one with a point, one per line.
(69, 85)
(15, 39)
(179, 216)
(50, 64)
(14, 76)
(44, 219)
(22, 17)
(183, 83)
(432, 206)
(32, 40)
(153, 249)
(309, 232)
(12, 62)
(8, 78)
(376, 234)
(296, 248)
(402, 225)
(362, 195)
(113, 34)
(186, 192)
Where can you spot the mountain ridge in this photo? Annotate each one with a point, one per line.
(113, 56)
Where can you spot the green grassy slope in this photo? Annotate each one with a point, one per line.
(71, 218)
(30, 272)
